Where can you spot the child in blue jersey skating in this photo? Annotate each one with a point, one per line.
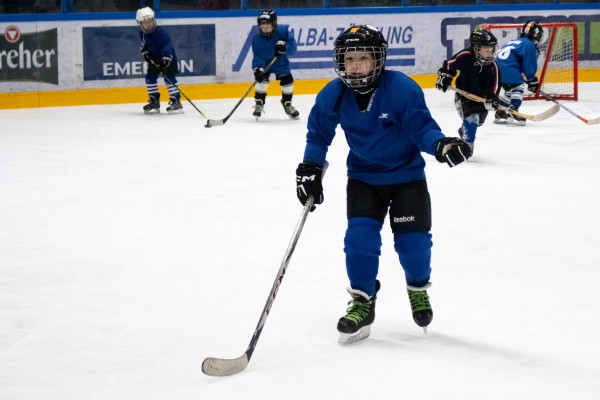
(273, 41)
(478, 74)
(516, 59)
(159, 53)
(387, 125)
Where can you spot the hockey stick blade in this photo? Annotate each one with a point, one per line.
(537, 117)
(215, 122)
(593, 121)
(544, 115)
(224, 367)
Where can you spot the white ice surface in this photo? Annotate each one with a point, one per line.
(134, 246)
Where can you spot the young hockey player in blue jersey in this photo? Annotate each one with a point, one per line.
(516, 59)
(159, 53)
(387, 125)
(478, 75)
(273, 41)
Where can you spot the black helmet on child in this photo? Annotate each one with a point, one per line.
(362, 38)
(267, 17)
(533, 31)
(483, 38)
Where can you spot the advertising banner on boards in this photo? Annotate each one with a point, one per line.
(29, 57)
(114, 52)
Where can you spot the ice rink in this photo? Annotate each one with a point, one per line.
(134, 246)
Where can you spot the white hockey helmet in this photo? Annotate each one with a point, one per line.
(145, 14)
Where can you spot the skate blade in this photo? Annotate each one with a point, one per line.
(362, 333)
(500, 121)
(152, 111)
(180, 111)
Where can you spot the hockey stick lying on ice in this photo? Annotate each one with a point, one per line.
(537, 117)
(180, 91)
(215, 122)
(225, 367)
(573, 113)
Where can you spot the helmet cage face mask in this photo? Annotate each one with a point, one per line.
(483, 39)
(267, 18)
(484, 59)
(360, 81)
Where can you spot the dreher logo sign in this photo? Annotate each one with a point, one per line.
(29, 56)
(12, 34)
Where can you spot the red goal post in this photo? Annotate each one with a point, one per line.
(557, 62)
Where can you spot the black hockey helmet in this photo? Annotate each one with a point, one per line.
(267, 17)
(363, 38)
(483, 38)
(533, 31)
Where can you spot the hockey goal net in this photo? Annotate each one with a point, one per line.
(557, 62)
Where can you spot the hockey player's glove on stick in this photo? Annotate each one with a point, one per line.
(225, 367)
(215, 122)
(151, 61)
(280, 47)
(533, 85)
(260, 75)
(452, 151)
(492, 102)
(146, 54)
(537, 117)
(593, 121)
(444, 77)
(309, 183)
(165, 63)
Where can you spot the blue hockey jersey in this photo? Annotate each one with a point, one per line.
(386, 140)
(263, 50)
(158, 43)
(517, 58)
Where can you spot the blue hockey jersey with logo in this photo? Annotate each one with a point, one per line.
(385, 140)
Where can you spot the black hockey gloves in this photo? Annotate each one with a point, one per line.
(533, 85)
(452, 150)
(146, 54)
(444, 77)
(309, 182)
(280, 47)
(165, 63)
(260, 76)
(491, 102)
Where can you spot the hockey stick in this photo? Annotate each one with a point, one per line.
(537, 117)
(180, 91)
(224, 366)
(215, 122)
(573, 113)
